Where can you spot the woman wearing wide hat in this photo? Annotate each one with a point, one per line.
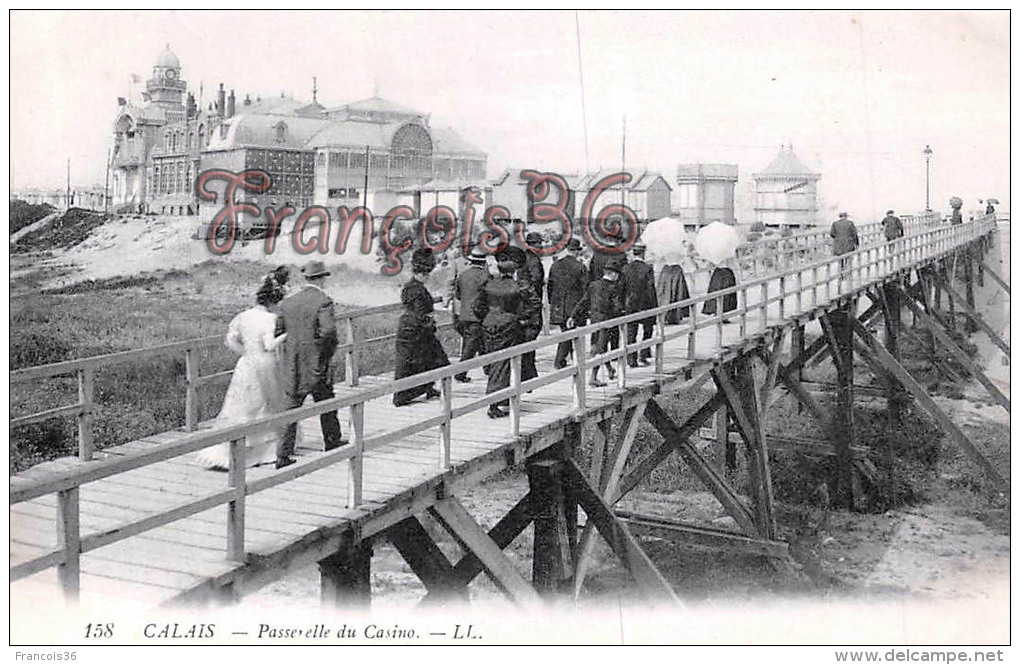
(418, 348)
(503, 308)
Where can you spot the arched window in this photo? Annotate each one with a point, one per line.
(280, 130)
(201, 136)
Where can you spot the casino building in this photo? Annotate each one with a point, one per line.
(372, 152)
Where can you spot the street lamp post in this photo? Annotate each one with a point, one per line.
(927, 188)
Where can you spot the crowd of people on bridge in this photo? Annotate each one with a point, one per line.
(497, 301)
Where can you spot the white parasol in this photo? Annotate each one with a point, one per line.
(717, 242)
(666, 240)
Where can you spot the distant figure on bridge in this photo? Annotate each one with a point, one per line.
(604, 301)
(956, 203)
(568, 282)
(844, 241)
(466, 289)
(308, 319)
(255, 390)
(503, 308)
(989, 209)
(418, 347)
(639, 295)
(893, 226)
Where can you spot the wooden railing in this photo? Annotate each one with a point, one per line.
(766, 254)
(86, 368)
(830, 278)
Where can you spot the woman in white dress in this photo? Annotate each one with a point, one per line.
(255, 390)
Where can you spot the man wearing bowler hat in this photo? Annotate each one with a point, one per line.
(308, 319)
(568, 282)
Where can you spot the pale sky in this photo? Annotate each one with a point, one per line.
(858, 94)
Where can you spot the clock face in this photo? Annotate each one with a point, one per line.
(170, 75)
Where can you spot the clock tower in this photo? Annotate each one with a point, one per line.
(166, 88)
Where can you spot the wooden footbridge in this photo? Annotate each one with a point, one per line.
(143, 523)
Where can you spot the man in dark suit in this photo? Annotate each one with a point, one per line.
(602, 302)
(465, 293)
(892, 225)
(639, 295)
(568, 280)
(844, 241)
(308, 319)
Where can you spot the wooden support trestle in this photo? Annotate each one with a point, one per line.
(711, 478)
(976, 318)
(503, 533)
(959, 353)
(345, 577)
(837, 326)
(474, 539)
(695, 535)
(996, 277)
(618, 537)
(876, 355)
(426, 560)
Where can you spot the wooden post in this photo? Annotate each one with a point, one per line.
(191, 376)
(69, 539)
(445, 434)
(515, 398)
(841, 336)
(355, 465)
(968, 273)
(580, 362)
(692, 335)
(350, 357)
(660, 343)
(722, 437)
(235, 509)
(747, 415)
(551, 567)
(345, 578)
(892, 307)
(86, 398)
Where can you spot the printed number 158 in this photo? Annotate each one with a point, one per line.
(99, 630)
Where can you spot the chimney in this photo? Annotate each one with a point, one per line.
(247, 100)
(221, 103)
(231, 105)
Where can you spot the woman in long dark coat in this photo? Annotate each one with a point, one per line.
(503, 308)
(722, 277)
(671, 288)
(418, 349)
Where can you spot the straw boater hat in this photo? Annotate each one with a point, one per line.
(314, 270)
(638, 247)
(477, 255)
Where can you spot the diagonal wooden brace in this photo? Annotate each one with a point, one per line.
(959, 353)
(712, 479)
(972, 449)
(619, 539)
(426, 560)
(975, 317)
(474, 539)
